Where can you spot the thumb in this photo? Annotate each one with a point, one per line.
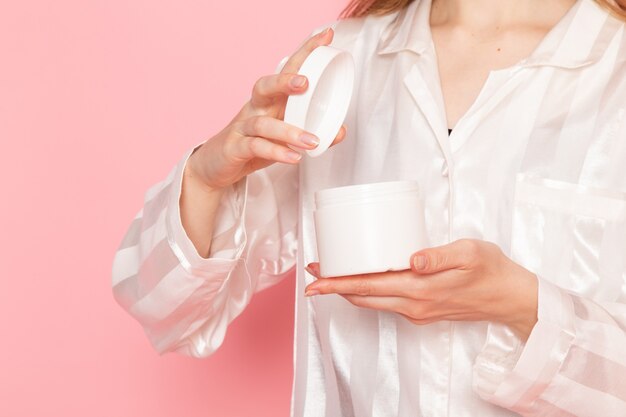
(441, 258)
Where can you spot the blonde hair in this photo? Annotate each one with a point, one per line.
(359, 8)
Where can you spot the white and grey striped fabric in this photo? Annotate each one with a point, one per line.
(537, 165)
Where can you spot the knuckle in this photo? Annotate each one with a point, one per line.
(257, 86)
(277, 152)
(420, 322)
(255, 145)
(285, 79)
(470, 246)
(410, 286)
(415, 311)
(415, 320)
(258, 124)
(437, 260)
(471, 250)
(424, 289)
(292, 133)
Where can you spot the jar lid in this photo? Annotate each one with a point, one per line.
(350, 194)
(322, 108)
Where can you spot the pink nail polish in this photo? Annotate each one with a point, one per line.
(309, 139)
(309, 293)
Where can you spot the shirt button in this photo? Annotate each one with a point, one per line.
(444, 169)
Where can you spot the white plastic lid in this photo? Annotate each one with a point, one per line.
(322, 109)
(364, 193)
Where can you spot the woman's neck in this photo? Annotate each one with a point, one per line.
(488, 15)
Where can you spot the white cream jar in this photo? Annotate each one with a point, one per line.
(368, 228)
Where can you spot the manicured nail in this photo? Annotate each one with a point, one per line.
(293, 155)
(309, 293)
(308, 139)
(314, 268)
(419, 262)
(298, 81)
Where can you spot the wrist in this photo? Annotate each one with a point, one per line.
(193, 176)
(524, 305)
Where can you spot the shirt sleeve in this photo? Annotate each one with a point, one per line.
(184, 302)
(573, 363)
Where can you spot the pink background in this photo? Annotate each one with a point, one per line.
(98, 100)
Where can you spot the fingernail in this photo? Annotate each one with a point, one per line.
(419, 262)
(298, 81)
(309, 293)
(309, 139)
(293, 155)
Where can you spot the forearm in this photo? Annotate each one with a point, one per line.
(198, 208)
(573, 359)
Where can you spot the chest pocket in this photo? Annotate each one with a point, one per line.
(571, 235)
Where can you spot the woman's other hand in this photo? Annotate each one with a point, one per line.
(466, 280)
(258, 136)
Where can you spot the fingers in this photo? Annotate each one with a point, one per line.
(257, 136)
(341, 135)
(287, 82)
(247, 148)
(417, 312)
(271, 128)
(270, 86)
(460, 254)
(295, 61)
(313, 269)
(392, 304)
(397, 283)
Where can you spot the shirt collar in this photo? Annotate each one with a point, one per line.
(410, 30)
(580, 38)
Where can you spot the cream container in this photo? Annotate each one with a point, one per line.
(368, 228)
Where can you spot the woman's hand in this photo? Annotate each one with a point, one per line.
(468, 280)
(257, 136)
